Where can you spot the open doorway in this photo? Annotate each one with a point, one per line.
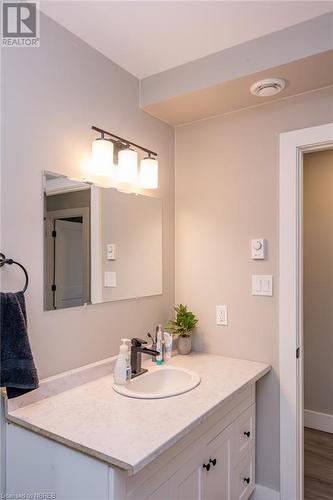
(318, 323)
(67, 262)
(294, 146)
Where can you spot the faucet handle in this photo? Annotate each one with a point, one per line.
(136, 342)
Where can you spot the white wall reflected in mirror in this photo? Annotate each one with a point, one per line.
(100, 244)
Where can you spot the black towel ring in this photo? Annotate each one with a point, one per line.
(4, 261)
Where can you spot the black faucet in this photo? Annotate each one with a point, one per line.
(136, 350)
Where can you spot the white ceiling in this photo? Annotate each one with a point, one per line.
(149, 37)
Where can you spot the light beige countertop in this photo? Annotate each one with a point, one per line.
(81, 410)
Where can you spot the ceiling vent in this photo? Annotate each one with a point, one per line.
(268, 87)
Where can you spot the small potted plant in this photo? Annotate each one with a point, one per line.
(182, 327)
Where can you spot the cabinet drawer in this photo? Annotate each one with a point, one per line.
(244, 434)
(243, 477)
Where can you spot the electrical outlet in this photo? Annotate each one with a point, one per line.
(222, 315)
(110, 279)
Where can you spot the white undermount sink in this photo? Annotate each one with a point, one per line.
(160, 382)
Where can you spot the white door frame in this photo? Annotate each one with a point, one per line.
(292, 146)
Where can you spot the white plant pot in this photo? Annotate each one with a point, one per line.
(184, 345)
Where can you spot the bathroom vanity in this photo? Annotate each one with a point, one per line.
(76, 438)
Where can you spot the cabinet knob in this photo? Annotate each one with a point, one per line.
(247, 433)
(213, 461)
(206, 466)
(247, 480)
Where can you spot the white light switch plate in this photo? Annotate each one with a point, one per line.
(110, 279)
(262, 285)
(111, 251)
(222, 315)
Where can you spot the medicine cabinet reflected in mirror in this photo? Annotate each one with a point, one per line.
(100, 244)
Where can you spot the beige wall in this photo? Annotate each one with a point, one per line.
(226, 194)
(318, 281)
(50, 98)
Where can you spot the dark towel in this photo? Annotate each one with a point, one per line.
(17, 372)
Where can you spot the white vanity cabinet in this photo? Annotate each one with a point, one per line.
(216, 461)
(144, 455)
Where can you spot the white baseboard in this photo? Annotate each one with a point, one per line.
(319, 421)
(263, 493)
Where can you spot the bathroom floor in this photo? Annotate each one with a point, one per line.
(318, 465)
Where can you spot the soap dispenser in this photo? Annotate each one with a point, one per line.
(159, 345)
(122, 370)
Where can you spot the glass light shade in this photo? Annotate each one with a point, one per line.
(102, 156)
(149, 173)
(127, 166)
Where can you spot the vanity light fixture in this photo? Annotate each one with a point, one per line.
(102, 155)
(126, 170)
(149, 173)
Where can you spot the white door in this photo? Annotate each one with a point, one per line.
(69, 264)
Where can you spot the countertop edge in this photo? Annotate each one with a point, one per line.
(71, 444)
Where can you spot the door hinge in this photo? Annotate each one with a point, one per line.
(53, 288)
(54, 234)
(298, 352)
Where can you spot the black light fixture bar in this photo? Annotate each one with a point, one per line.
(122, 140)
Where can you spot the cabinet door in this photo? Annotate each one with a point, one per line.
(162, 493)
(216, 481)
(186, 484)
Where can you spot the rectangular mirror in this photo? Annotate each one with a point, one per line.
(100, 244)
